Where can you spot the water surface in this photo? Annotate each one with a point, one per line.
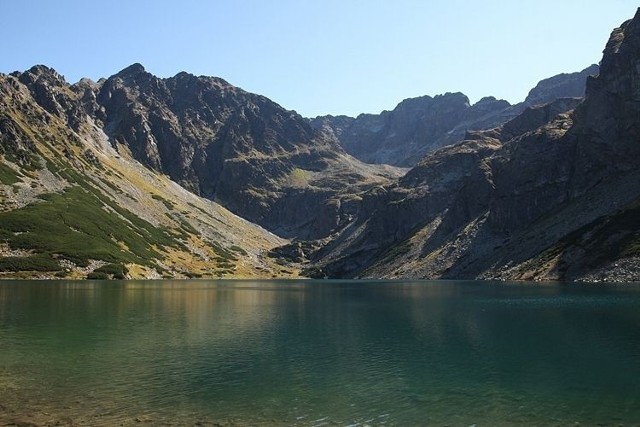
(319, 353)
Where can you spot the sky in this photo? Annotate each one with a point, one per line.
(318, 57)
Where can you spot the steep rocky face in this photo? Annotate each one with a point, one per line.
(415, 126)
(566, 85)
(598, 148)
(263, 162)
(607, 123)
(218, 141)
(418, 126)
(549, 195)
(188, 127)
(71, 206)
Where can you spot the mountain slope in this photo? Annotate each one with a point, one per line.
(72, 206)
(546, 196)
(137, 176)
(237, 148)
(566, 85)
(418, 126)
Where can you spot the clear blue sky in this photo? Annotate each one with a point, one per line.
(323, 56)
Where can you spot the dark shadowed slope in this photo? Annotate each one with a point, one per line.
(549, 195)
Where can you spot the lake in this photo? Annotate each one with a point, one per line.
(314, 353)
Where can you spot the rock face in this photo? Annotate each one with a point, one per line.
(71, 206)
(220, 142)
(570, 85)
(144, 169)
(418, 126)
(549, 195)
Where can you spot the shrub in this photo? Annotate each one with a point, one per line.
(117, 271)
(76, 226)
(39, 262)
(7, 175)
(166, 202)
(96, 275)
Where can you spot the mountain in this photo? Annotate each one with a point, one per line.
(190, 176)
(566, 85)
(72, 206)
(168, 159)
(418, 126)
(242, 150)
(551, 195)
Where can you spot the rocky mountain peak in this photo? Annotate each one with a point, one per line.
(489, 105)
(453, 97)
(86, 83)
(607, 125)
(551, 194)
(42, 74)
(186, 78)
(494, 185)
(565, 85)
(131, 70)
(418, 126)
(491, 100)
(134, 74)
(620, 66)
(48, 87)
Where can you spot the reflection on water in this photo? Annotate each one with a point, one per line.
(319, 353)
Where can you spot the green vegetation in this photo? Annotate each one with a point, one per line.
(116, 271)
(166, 202)
(112, 186)
(26, 159)
(198, 208)
(238, 249)
(187, 227)
(38, 262)
(224, 257)
(226, 265)
(97, 275)
(80, 225)
(7, 175)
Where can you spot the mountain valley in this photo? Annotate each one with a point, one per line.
(136, 176)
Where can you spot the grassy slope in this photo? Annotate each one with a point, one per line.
(71, 206)
(78, 226)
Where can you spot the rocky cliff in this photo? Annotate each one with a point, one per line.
(566, 85)
(71, 206)
(138, 176)
(549, 195)
(259, 160)
(418, 126)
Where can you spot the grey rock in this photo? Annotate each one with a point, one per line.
(566, 85)
(421, 125)
(550, 195)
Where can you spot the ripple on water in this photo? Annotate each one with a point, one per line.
(313, 355)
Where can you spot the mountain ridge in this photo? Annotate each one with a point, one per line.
(520, 202)
(191, 176)
(417, 126)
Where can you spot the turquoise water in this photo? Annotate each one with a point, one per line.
(319, 353)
